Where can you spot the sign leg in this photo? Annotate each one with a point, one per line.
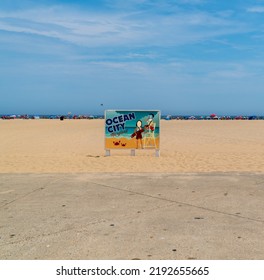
(157, 153)
(133, 153)
(107, 153)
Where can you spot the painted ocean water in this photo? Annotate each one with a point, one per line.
(128, 132)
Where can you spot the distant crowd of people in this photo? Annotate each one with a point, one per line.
(214, 118)
(61, 117)
(168, 117)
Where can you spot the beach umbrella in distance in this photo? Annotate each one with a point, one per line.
(213, 115)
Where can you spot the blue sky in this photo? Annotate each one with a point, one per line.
(179, 56)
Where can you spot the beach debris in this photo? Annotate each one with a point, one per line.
(112, 225)
(174, 250)
(63, 205)
(226, 193)
(92, 156)
(12, 235)
(136, 259)
(198, 218)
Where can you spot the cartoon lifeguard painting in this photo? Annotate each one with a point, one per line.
(132, 129)
(138, 133)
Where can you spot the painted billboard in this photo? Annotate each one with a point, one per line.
(132, 129)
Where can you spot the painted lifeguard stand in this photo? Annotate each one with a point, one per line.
(149, 141)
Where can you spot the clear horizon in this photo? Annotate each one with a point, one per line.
(183, 57)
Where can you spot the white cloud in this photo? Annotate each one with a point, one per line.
(92, 29)
(256, 9)
(139, 68)
(229, 74)
(193, 2)
(141, 55)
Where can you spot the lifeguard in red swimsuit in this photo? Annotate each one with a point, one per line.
(138, 133)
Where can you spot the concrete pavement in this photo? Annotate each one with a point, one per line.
(132, 216)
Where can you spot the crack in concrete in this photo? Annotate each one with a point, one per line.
(78, 229)
(45, 235)
(259, 183)
(29, 193)
(183, 203)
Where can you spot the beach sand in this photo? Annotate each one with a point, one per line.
(73, 146)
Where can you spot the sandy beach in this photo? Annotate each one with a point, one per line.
(73, 146)
(62, 198)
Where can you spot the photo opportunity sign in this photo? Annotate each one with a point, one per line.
(132, 129)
